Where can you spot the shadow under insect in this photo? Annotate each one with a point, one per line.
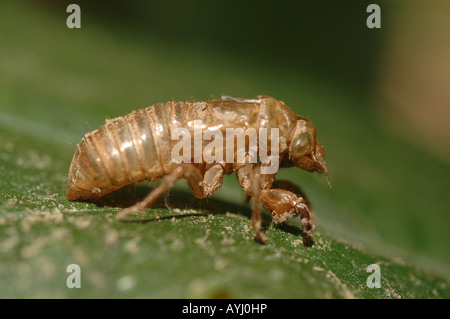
(183, 199)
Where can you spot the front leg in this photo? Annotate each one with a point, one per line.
(289, 186)
(285, 204)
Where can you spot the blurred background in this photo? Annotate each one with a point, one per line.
(380, 98)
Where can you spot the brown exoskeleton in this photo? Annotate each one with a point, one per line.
(137, 147)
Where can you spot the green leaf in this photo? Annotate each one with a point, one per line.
(388, 205)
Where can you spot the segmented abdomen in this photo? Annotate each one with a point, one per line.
(125, 150)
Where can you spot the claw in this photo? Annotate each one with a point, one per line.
(284, 205)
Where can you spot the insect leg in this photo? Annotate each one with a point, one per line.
(256, 212)
(190, 172)
(213, 178)
(289, 186)
(252, 182)
(204, 186)
(285, 204)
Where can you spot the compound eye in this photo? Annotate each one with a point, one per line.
(302, 145)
